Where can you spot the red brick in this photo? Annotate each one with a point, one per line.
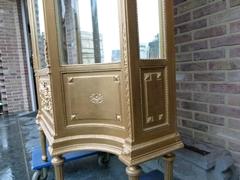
(185, 132)
(224, 65)
(234, 124)
(208, 55)
(209, 9)
(194, 106)
(235, 52)
(193, 66)
(225, 111)
(183, 18)
(219, 65)
(189, 5)
(184, 57)
(194, 86)
(226, 41)
(216, 120)
(195, 125)
(210, 32)
(209, 138)
(183, 76)
(209, 98)
(184, 114)
(234, 76)
(183, 38)
(192, 26)
(13, 58)
(209, 76)
(235, 27)
(225, 16)
(233, 100)
(225, 88)
(184, 95)
(176, 2)
(194, 46)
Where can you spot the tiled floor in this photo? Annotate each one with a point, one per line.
(18, 135)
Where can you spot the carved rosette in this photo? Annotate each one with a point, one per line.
(45, 96)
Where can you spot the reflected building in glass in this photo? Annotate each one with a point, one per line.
(41, 34)
(89, 33)
(153, 48)
(150, 50)
(88, 47)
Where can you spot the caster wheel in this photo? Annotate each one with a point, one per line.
(103, 159)
(40, 174)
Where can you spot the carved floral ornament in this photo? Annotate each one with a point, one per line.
(96, 98)
(149, 76)
(150, 119)
(45, 96)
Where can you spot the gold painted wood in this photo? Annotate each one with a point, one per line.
(43, 144)
(126, 108)
(169, 159)
(133, 172)
(57, 163)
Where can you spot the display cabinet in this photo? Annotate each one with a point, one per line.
(105, 73)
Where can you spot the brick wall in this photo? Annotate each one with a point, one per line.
(208, 71)
(13, 76)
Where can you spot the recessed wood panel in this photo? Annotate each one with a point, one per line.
(154, 101)
(92, 97)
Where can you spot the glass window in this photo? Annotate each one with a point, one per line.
(90, 31)
(41, 35)
(150, 29)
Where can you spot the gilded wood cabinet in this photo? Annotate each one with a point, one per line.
(105, 73)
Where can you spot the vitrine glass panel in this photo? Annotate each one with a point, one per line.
(90, 31)
(40, 32)
(150, 29)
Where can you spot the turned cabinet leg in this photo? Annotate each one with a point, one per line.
(57, 163)
(169, 159)
(43, 144)
(133, 172)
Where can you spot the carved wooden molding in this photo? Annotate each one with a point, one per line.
(126, 79)
(45, 95)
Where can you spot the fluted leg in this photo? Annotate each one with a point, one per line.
(133, 172)
(57, 163)
(43, 144)
(169, 159)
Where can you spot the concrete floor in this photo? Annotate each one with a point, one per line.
(18, 135)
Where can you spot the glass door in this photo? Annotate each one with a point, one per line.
(89, 31)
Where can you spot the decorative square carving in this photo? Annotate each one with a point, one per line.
(92, 97)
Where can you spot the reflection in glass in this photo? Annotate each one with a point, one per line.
(150, 41)
(90, 31)
(41, 35)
